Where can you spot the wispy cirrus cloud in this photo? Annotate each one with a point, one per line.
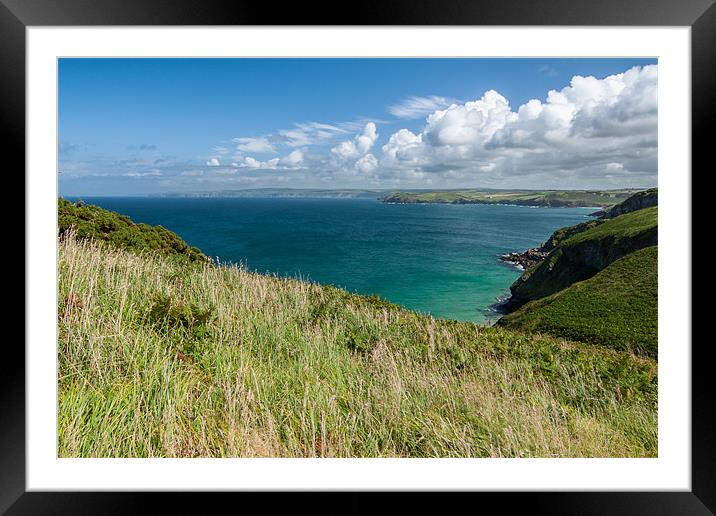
(250, 144)
(151, 173)
(310, 133)
(418, 107)
(302, 134)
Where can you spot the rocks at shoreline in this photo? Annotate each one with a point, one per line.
(525, 259)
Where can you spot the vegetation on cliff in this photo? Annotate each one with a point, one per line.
(582, 254)
(638, 201)
(93, 222)
(597, 282)
(617, 307)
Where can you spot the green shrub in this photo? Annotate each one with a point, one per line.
(93, 222)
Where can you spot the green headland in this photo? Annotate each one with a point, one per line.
(546, 198)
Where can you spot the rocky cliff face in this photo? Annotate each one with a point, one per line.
(563, 234)
(597, 254)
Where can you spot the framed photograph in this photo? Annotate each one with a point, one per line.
(419, 249)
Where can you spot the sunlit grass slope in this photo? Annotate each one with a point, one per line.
(171, 358)
(581, 255)
(617, 307)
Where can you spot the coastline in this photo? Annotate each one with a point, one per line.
(522, 205)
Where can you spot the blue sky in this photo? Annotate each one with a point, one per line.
(150, 126)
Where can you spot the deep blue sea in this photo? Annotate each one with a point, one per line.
(433, 258)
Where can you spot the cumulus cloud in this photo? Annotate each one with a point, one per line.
(405, 148)
(469, 123)
(291, 161)
(250, 162)
(618, 106)
(588, 128)
(593, 132)
(294, 159)
(418, 107)
(359, 146)
(367, 165)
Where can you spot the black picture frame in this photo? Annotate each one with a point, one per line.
(17, 15)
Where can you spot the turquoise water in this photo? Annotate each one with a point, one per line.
(433, 258)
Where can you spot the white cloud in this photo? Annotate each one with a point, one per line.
(254, 163)
(418, 107)
(470, 123)
(577, 134)
(619, 106)
(151, 173)
(405, 148)
(294, 159)
(359, 146)
(254, 145)
(593, 132)
(310, 133)
(368, 164)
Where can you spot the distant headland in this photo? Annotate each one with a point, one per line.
(538, 198)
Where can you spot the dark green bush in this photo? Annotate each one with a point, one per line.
(118, 230)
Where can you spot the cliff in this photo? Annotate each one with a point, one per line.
(617, 307)
(579, 253)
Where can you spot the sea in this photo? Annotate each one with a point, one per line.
(438, 259)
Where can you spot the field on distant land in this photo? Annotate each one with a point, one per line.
(547, 198)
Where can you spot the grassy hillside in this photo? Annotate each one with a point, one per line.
(160, 357)
(617, 307)
(638, 201)
(118, 230)
(548, 198)
(579, 256)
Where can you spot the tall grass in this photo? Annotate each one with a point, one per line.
(160, 358)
